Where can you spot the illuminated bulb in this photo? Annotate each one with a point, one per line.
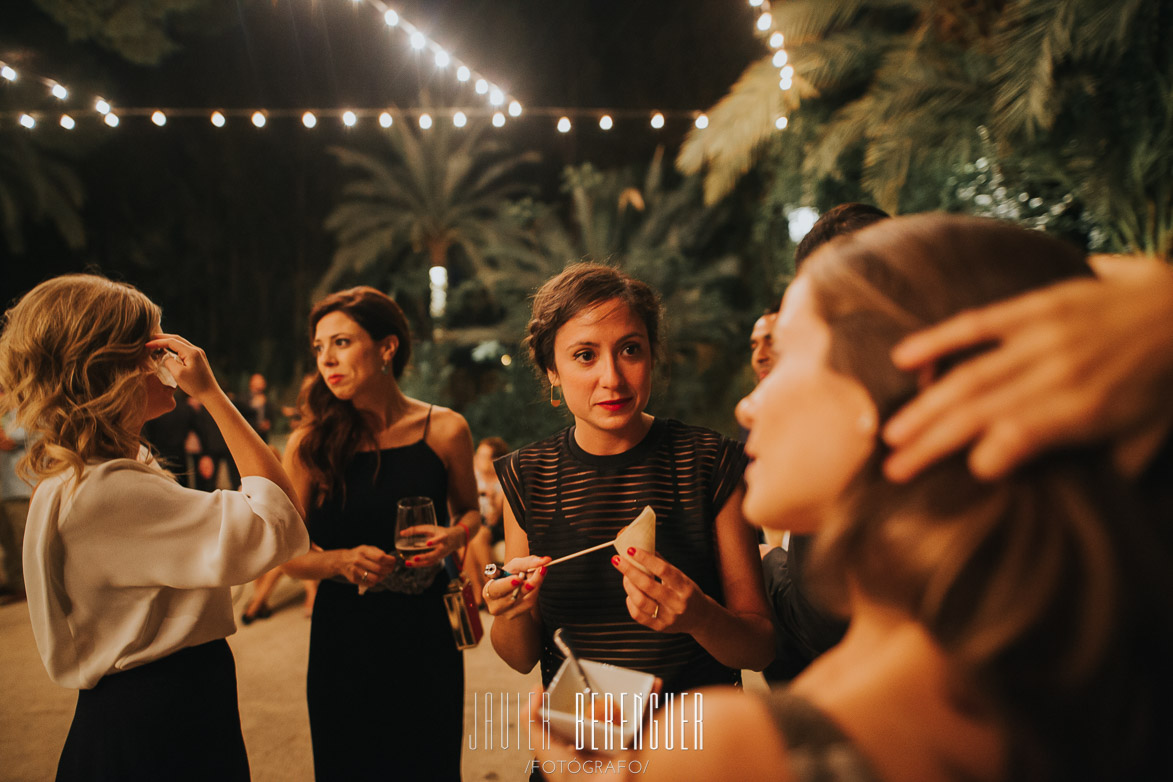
(564, 125)
(764, 22)
(702, 122)
(112, 120)
(781, 123)
(8, 73)
(442, 58)
(506, 360)
(496, 97)
(605, 122)
(385, 120)
(258, 119)
(309, 120)
(348, 119)
(499, 119)
(28, 121)
(657, 120)
(780, 58)
(785, 84)
(59, 92)
(463, 73)
(218, 119)
(482, 86)
(787, 72)
(159, 118)
(755, 3)
(514, 108)
(459, 119)
(425, 121)
(776, 40)
(418, 41)
(101, 106)
(391, 18)
(67, 122)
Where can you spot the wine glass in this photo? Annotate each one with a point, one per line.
(417, 512)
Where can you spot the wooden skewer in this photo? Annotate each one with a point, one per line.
(580, 553)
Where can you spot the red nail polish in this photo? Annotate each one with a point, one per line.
(615, 560)
(543, 570)
(529, 587)
(631, 551)
(515, 582)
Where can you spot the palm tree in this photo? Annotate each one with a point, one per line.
(423, 199)
(1071, 96)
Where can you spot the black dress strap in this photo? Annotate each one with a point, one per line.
(427, 423)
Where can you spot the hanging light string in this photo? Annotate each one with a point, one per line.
(53, 88)
(566, 118)
(764, 26)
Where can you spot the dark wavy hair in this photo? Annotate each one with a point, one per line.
(336, 429)
(1048, 588)
(579, 287)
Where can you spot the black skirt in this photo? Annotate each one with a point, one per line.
(176, 718)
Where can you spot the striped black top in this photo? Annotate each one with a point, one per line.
(567, 499)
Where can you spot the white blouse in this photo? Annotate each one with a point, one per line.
(126, 566)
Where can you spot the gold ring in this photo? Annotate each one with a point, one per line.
(656, 613)
(364, 576)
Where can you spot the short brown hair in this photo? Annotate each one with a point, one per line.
(580, 287)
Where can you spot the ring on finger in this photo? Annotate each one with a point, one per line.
(365, 574)
(656, 613)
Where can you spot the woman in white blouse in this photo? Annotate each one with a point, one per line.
(128, 572)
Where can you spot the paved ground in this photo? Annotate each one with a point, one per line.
(270, 663)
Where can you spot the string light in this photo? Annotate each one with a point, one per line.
(58, 92)
(426, 121)
(781, 123)
(385, 120)
(159, 118)
(349, 119)
(514, 108)
(605, 122)
(418, 41)
(101, 106)
(777, 40)
(780, 58)
(309, 119)
(390, 18)
(67, 122)
(496, 97)
(111, 119)
(218, 119)
(499, 119)
(564, 125)
(463, 73)
(755, 3)
(442, 58)
(764, 22)
(28, 121)
(459, 119)
(657, 120)
(482, 86)
(8, 73)
(787, 72)
(259, 119)
(702, 122)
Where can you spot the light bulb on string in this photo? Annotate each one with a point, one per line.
(564, 125)
(218, 119)
(259, 119)
(459, 119)
(482, 86)
(349, 119)
(309, 119)
(28, 121)
(385, 120)
(764, 22)
(787, 72)
(391, 19)
(425, 121)
(59, 92)
(111, 119)
(418, 41)
(657, 120)
(499, 119)
(496, 97)
(777, 40)
(781, 123)
(442, 58)
(702, 122)
(67, 122)
(514, 108)
(755, 3)
(463, 73)
(780, 58)
(101, 106)
(159, 118)
(8, 73)
(605, 122)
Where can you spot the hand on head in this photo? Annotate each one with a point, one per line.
(1081, 361)
(187, 364)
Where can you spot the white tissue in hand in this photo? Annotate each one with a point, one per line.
(164, 375)
(640, 534)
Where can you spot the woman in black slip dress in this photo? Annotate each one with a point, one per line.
(385, 685)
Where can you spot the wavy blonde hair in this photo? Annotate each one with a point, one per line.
(71, 363)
